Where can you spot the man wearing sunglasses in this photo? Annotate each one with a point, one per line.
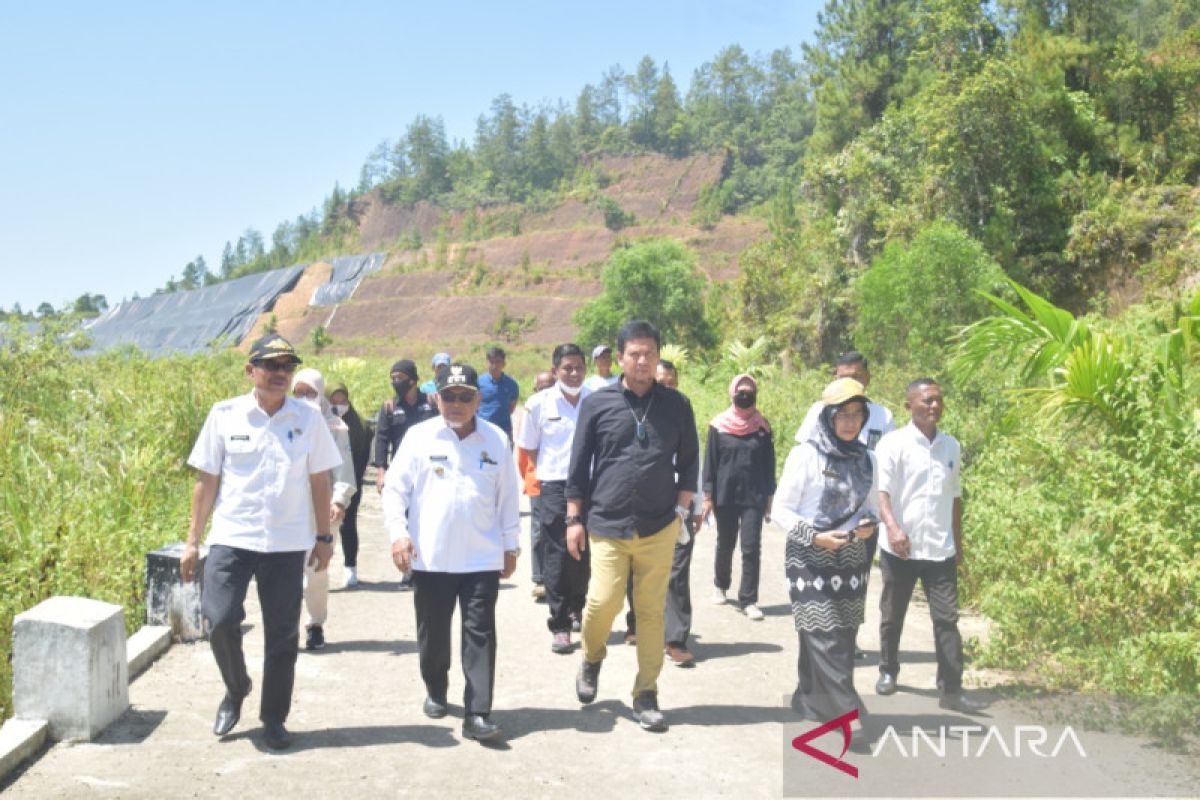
(450, 503)
(262, 465)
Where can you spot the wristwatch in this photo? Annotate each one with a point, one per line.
(325, 538)
(515, 553)
(683, 511)
(574, 519)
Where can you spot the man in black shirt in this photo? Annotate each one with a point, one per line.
(631, 440)
(396, 416)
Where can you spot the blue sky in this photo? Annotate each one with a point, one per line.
(135, 136)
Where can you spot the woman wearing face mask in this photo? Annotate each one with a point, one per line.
(360, 450)
(309, 387)
(827, 501)
(739, 484)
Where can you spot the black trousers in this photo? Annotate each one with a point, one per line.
(749, 521)
(940, 582)
(280, 579)
(349, 530)
(565, 579)
(434, 596)
(678, 615)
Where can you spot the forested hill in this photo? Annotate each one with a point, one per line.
(1058, 142)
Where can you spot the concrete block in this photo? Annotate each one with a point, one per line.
(145, 646)
(20, 739)
(170, 601)
(69, 666)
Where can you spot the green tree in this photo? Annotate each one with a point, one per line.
(916, 295)
(656, 280)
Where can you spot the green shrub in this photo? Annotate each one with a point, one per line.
(915, 295)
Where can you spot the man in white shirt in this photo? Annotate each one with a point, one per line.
(879, 420)
(262, 471)
(451, 506)
(602, 361)
(920, 500)
(545, 439)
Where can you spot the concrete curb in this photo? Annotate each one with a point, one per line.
(145, 646)
(20, 739)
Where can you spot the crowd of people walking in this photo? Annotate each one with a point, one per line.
(620, 489)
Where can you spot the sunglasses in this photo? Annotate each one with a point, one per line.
(275, 366)
(457, 397)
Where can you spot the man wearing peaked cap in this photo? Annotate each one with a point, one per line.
(450, 503)
(262, 465)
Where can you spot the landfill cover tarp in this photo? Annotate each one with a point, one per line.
(347, 272)
(190, 322)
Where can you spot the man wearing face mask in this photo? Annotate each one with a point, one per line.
(407, 408)
(546, 438)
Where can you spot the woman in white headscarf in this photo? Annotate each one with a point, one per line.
(309, 386)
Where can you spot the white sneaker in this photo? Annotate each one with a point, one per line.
(753, 612)
(718, 596)
(351, 578)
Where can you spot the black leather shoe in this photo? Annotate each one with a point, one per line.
(957, 701)
(645, 708)
(480, 728)
(276, 736)
(434, 709)
(587, 681)
(228, 714)
(886, 684)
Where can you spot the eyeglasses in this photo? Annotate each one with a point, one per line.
(851, 416)
(456, 397)
(275, 366)
(305, 395)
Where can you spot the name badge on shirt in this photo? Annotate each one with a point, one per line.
(553, 419)
(484, 458)
(438, 462)
(239, 437)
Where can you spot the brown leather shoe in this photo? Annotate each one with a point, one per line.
(680, 656)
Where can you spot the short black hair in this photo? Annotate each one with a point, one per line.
(637, 329)
(667, 365)
(564, 350)
(850, 358)
(495, 352)
(919, 383)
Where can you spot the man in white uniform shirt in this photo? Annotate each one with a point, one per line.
(920, 500)
(546, 439)
(262, 471)
(451, 506)
(879, 420)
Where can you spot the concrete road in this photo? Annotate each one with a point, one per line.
(360, 731)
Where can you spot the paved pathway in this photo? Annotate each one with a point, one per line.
(360, 731)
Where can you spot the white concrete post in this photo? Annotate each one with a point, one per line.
(69, 666)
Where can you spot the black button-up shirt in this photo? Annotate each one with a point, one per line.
(630, 486)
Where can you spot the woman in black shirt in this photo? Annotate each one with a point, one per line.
(739, 484)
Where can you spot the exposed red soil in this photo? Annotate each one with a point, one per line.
(547, 271)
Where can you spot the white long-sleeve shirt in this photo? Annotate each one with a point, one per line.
(457, 499)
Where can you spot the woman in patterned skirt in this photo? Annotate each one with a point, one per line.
(827, 501)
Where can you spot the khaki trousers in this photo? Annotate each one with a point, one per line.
(649, 559)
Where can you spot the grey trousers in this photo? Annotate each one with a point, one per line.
(280, 579)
